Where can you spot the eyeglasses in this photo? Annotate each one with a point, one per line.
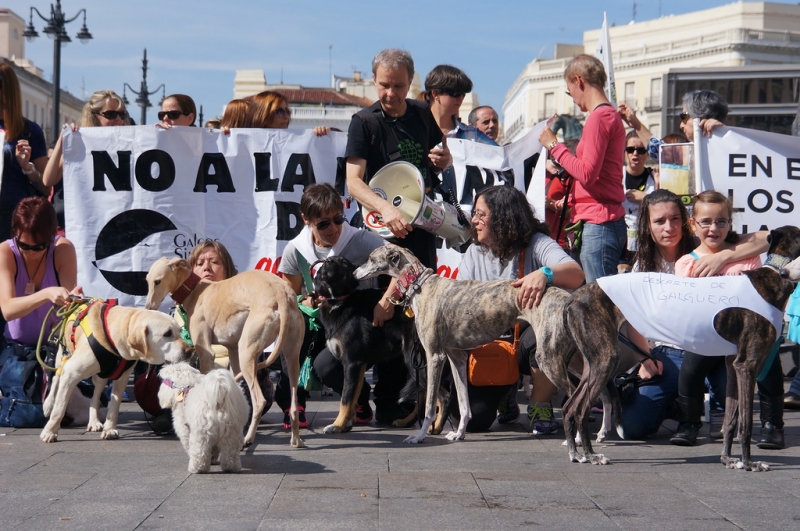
(112, 115)
(283, 111)
(685, 117)
(29, 247)
(173, 115)
(453, 93)
(706, 223)
(325, 223)
(480, 216)
(630, 150)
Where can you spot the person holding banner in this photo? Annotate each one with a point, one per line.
(270, 110)
(177, 109)
(596, 168)
(503, 225)
(104, 109)
(24, 151)
(327, 234)
(394, 128)
(235, 114)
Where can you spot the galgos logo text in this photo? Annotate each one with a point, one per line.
(184, 244)
(122, 233)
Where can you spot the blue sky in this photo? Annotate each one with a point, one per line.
(195, 46)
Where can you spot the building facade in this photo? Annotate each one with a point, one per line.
(36, 92)
(747, 51)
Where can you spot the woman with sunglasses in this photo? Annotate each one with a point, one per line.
(177, 109)
(37, 268)
(597, 198)
(445, 89)
(326, 234)
(104, 109)
(639, 182)
(270, 110)
(24, 151)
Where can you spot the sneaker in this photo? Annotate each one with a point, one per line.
(507, 413)
(541, 418)
(301, 418)
(127, 397)
(791, 401)
(363, 415)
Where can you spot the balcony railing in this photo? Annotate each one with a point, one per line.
(653, 104)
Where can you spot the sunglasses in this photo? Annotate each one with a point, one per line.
(29, 247)
(325, 223)
(113, 115)
(685, 117)
(283, 111)
(453, 93)
(630, 150)
(173, 115)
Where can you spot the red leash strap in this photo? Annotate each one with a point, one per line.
(106, 307)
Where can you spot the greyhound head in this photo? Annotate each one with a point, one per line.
(335, 278)
(387, 260)
(165, 276)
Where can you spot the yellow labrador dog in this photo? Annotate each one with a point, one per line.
(246, 314)
(106, 342)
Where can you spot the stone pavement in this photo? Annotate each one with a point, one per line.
(368, 479)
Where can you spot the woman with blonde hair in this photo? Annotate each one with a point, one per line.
(25, 151)
(104, 109)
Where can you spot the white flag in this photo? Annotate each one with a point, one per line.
(603, 52)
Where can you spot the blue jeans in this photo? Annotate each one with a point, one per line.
(602, 248)
(643, 414)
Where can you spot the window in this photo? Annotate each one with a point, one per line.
(630, 94)
(35, 112)
(27, 108)
(549, 108)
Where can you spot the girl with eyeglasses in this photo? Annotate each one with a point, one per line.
(24, 151)
(177, 109)
(326, 233)
(639, 181)
(104, 109)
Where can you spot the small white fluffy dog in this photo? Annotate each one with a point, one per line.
(209, 413)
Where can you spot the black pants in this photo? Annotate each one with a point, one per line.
(483, 402)
(331, 373)
(695, 368)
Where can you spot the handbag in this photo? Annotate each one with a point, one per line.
(629, 381)
(496, 363)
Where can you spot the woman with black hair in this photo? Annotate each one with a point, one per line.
(504, 229)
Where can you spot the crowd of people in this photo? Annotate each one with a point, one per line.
(604, 209)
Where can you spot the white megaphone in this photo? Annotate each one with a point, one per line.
(401, 184)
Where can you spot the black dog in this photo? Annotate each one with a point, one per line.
(346, 313)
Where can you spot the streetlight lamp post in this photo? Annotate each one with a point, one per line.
(56, 30)
(143, 99)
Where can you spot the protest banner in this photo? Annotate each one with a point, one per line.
(135, 194)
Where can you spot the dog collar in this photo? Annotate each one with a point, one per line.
(171, 385)
(410, 282)
(777, 262)
(185, 289)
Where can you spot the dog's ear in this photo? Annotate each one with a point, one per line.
(137, 338)
(178, 264)
(394, 256)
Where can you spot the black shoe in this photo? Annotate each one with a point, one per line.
(686, 435)
(162, 424)
(771, 438)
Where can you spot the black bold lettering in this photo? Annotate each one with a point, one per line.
(528, 166)
(730, 198)
(119, 177)
(341, 175)
(733, 165)
(299, 171)
(144, 170)
(783, 197)
(474, 183)
(263, 173)
(289, 221)
(793, 169)
(752, 196)
(756, 163)
(221, 176)
(506, 177)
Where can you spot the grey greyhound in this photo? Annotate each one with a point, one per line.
(452, 316)
(593, 321)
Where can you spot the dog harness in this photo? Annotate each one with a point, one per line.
(681, 310)
(112, 365)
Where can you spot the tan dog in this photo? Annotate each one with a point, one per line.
(246, 314)
(132, 335)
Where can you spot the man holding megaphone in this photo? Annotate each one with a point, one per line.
(394, 129)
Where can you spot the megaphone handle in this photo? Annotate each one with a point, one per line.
(451, 191)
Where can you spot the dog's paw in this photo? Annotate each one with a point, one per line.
(601, 436)
(433, 430)
(455, 436)
(414, 439)
(598, 459)
(95, 426)
(110, 435)
(48, 437)
(297, 442)
(331, 428)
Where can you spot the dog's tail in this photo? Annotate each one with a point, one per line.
(226, 397)
(616, 408)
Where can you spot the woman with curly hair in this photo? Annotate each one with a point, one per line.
(504, 229)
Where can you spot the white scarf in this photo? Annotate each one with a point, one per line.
(304, 242)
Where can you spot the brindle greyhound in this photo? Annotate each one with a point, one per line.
(594, 320)
(457, 315)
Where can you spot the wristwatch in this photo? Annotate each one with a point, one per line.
(552, 144)
(547, 273)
